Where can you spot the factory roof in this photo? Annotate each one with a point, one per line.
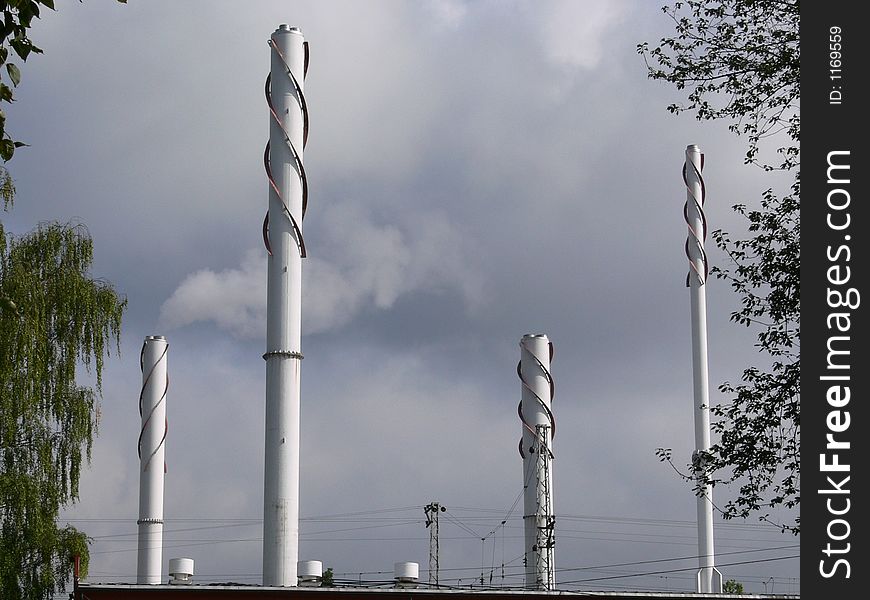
(112, 591)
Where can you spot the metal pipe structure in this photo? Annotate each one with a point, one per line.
(151, 448)
(431, 511)
(709, 579)
(282, 234)
(539, 427)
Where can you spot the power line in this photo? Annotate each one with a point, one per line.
(745, 562)
(693, 557)
(461, 525)
(467, 520)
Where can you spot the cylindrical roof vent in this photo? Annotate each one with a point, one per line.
(406, 574)
(309, 573)
(180, 571)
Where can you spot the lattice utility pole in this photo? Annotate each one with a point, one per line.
(431, 511)
(545, 521)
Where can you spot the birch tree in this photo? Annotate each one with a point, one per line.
(57, 325)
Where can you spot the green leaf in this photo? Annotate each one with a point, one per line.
(7, 149)
(7, 305)
(48, 3)
(22, 47)
(14, 73)
(5, 93)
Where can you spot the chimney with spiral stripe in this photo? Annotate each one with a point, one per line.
(539, 427)
(282, 234)
(709, 579)
(152, 445)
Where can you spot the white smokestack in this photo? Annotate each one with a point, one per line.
(152, 438)
(536, 415)
(709, 578)
(283, 236)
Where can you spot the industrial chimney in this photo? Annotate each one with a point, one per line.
(709, 579)
(152, 439)
(282, 234)
(539, 427)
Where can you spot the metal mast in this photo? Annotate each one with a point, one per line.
(539, 427)
(152, 466)
(431, 511)
(709, 578)
(282, 234)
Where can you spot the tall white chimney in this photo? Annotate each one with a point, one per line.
(709, 579)
(282, 231)
(536, 415)
(152, 466)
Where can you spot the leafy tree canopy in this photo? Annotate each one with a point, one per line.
(59, 318)
(740, 62)
(54, 319)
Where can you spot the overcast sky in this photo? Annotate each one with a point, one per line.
(477, 171)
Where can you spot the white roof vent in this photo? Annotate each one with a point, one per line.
(309, 573)
(407, 574)
(180, 571)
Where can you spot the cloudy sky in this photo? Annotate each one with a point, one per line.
(477, 171)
